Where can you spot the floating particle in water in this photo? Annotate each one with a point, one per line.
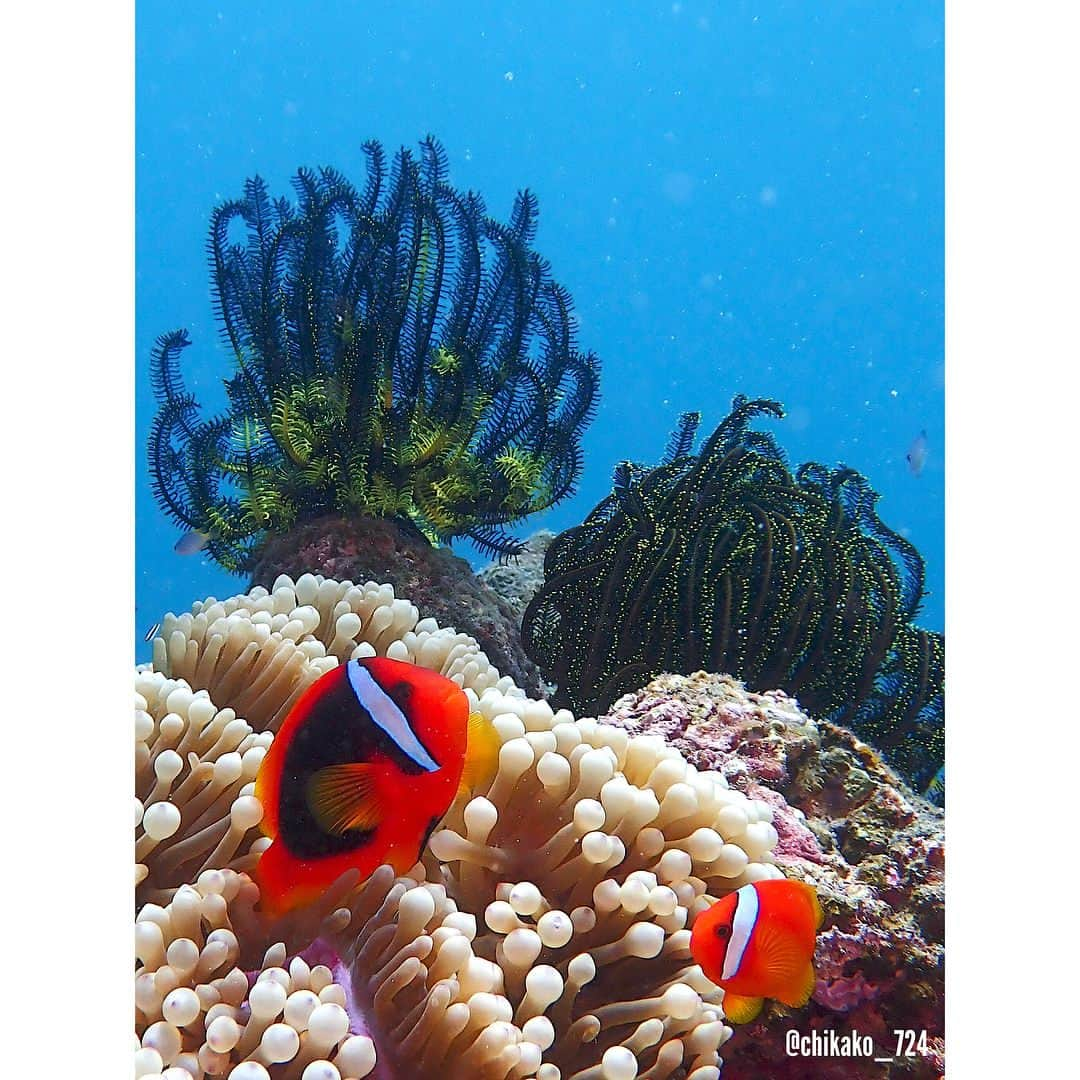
(894, 393)
(508, 76)
(679, 187)
(798, 418)
(767, 196)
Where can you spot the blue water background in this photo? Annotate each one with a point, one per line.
(741, 197)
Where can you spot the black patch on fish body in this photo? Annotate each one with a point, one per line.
(432, 825)
(338, 730)
(400, 693)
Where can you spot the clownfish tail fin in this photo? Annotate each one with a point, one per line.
(803, 988)
(481, 754)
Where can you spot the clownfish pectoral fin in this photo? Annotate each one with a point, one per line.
(343, 797)
(481, 754)
(781, 957)
(741, 1010)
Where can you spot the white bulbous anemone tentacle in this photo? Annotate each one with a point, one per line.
(544, 933)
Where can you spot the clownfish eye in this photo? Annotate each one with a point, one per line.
(723, 932)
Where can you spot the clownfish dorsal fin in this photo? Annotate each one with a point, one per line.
(741, 1010)
(343, 798)
(481, 754)
(812, 899)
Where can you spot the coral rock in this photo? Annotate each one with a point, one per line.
(850, 826)
(440, 583)
(517, 582)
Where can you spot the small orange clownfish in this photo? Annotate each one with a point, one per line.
(364, 767)
(758, 942)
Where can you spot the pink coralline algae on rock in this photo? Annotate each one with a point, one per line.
(849, 825)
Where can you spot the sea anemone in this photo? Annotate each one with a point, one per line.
(726, 560)
(198, 1011)
(544, 932)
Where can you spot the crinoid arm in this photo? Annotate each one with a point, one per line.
(724, 559)
(397, 352)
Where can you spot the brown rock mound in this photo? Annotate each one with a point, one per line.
(441, 584)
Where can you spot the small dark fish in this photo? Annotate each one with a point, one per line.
(935, 790)
(917, 453)
(152, 632)
(191, 543)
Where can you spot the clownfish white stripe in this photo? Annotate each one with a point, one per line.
(387, 715)
(746, 913)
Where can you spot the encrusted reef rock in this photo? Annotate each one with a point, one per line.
(850, 826)
(517, 582)
(438, 582)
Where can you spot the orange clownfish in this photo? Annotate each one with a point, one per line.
(365, 765)
(758, 942)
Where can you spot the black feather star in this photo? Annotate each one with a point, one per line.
(725, 560)
(396, 352)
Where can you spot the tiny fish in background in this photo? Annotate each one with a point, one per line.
(364, 767)
(758, 942)
(935, 790)
(152, 632)
(191, 543)
(917, 453)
